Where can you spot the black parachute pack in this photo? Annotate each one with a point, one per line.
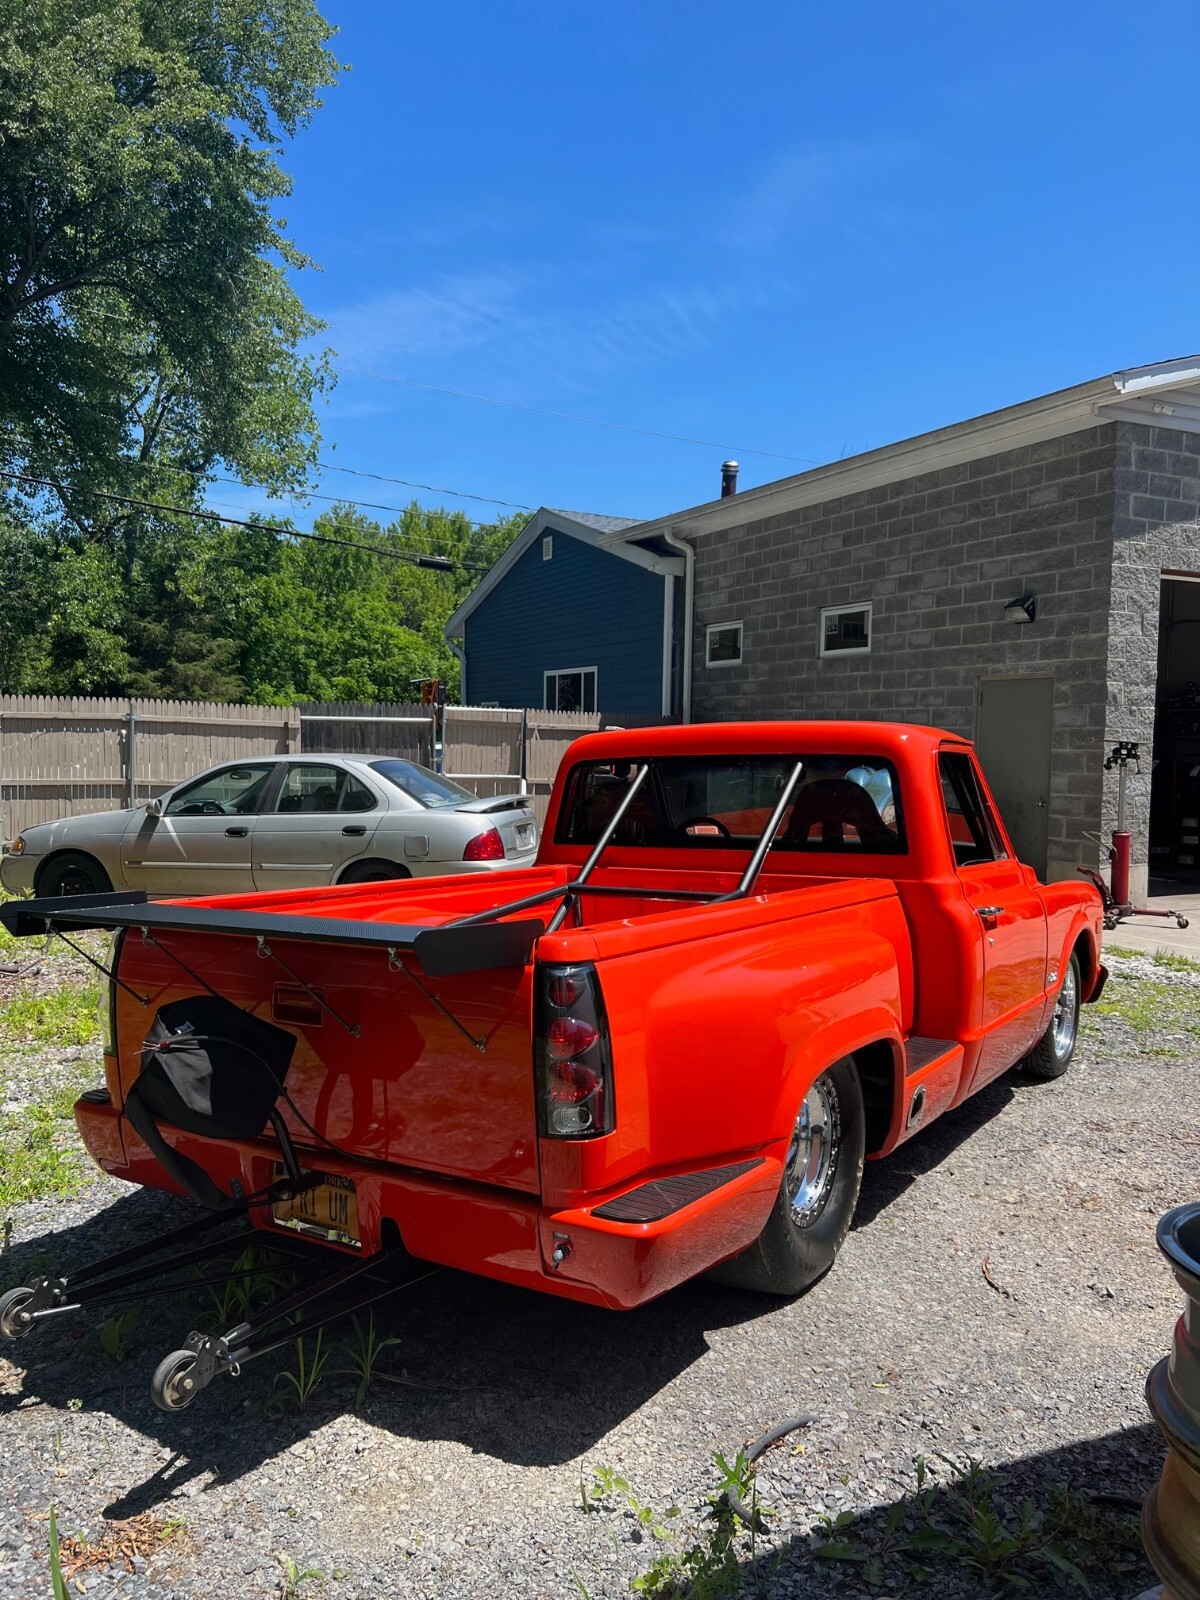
(208, 1068)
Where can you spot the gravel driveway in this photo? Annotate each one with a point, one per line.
(1000, 1298)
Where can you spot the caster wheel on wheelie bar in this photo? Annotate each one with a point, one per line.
(15, 1321)
(172, 1388)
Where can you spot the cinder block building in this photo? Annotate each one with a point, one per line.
(1030, 578)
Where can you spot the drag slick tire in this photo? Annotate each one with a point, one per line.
(819, 1192)
(1051, 1055)
(11, 1325)
(170, 1387)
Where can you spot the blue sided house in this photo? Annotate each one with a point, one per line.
(572, 618)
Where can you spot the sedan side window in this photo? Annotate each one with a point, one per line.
(356, 796)
(974, 836)
(310, 789)
(230, 792)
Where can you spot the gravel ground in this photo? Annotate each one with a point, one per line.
(1000, 1297)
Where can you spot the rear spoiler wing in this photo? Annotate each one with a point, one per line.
(441, 951)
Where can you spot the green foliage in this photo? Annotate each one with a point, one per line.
(364, 1357)
(116, 1331)
(148, 322)
(970, 1524)
(309, 1371)
(294, 1579)
(69, 1015)
(705, 1569)
(40, 1154)
(240, 613)
(58, 1583)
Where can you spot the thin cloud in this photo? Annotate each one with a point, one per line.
(815, 183)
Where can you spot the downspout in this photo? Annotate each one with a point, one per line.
(457, 650)
(689, 589)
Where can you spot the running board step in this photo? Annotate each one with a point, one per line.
(919, 1052)
(651, 1202)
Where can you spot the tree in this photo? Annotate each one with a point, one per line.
(147, 326)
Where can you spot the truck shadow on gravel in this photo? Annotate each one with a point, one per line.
(474, 1362)
(968, 1533)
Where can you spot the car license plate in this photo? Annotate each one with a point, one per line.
(524, 835)
(328, 1211)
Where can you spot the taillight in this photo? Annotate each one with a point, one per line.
(487, 846)
(574, 1055)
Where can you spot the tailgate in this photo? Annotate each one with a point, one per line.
(409, 1086)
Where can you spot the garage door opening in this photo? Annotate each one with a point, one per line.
(1175, 787)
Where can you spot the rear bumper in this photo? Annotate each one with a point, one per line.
(576, 1253)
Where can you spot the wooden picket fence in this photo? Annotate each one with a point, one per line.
(63, 756)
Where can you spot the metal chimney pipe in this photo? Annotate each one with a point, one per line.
(729, 472)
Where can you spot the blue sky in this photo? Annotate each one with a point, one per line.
(779, 228)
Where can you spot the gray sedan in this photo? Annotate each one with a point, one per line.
(283, 822)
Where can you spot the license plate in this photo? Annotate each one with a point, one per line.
(524, 835)
(327, 1211)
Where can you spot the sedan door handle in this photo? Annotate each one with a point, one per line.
(988, 912)
(354, 830)
(236, 833)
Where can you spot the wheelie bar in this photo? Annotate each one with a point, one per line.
(181, 1376)
(102, 1281)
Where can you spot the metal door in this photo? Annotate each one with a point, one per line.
(202, 842)
(1016, 722)
(321, 818)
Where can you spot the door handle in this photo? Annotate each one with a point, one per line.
(236, 833)
(988, 912)
(355, 830)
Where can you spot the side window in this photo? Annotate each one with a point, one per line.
(310, 788)
(974, 836)
(233, 791)
(356, 796)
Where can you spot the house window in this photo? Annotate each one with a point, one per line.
(845, 628)
(548, 547)
(571, 689)
(723, 644)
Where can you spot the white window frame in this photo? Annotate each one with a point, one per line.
(837, 611)
(565, 672)
(722, 627)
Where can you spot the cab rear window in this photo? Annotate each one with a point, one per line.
(846, 804)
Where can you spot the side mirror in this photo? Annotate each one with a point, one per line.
(154, 808)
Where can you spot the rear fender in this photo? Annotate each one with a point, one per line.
(873, 1025)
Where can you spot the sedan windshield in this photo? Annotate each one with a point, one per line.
(419, 784)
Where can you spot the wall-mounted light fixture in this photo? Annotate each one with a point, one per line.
(1021, 610)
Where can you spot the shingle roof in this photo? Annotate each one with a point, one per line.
(590, 520)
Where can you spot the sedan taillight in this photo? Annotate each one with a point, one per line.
(487, 846)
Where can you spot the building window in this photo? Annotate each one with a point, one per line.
(571, 689)
(845, 628)
(723, 644)
(548, 547)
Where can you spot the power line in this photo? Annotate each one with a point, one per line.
(343, 500)
(430, 488)
(431, 562)
(592, 422)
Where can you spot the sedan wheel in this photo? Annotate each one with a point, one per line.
(73, 873)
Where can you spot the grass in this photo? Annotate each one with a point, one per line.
(1167, 1015)
(69, 1015)
(40, 1153)
(1169, 960)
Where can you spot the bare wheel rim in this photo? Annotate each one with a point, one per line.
(75, 880)
(1066, 1014)
(813, 1153)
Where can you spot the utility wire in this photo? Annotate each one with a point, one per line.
(593, 422)
(432, 562)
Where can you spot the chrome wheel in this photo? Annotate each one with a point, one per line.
(813, 1153)
(1066, 1015)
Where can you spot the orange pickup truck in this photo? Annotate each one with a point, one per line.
(749, 956)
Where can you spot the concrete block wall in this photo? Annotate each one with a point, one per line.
(938, 556)
(1156, 525)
